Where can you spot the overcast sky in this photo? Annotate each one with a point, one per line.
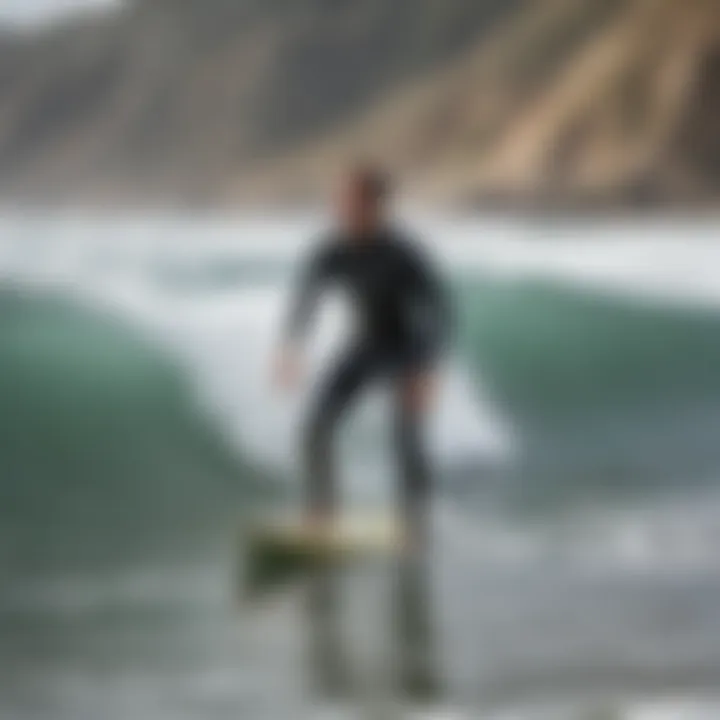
(40, 10)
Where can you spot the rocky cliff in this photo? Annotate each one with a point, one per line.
(571, 103)
(172, 100)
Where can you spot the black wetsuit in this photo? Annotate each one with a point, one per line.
(403, 328)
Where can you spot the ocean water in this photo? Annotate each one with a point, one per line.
(577, 515)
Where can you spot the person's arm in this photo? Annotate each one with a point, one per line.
(432, 319)
(432, 310)
(288, 367)
(305, 299)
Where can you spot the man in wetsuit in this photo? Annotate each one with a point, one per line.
(403, 327)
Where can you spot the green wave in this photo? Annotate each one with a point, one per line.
(103, 450)
(609, 396)
(552, 353)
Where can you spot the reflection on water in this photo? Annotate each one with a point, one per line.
(419, 679)
(328, 660)
(415, 676)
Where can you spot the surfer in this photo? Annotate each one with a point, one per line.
(402, 332)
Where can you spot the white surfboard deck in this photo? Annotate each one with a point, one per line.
(278, 550)
(347, 536)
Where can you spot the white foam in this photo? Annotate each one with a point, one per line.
(669, 261)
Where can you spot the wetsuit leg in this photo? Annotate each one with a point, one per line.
(337, 392)
(414, 465)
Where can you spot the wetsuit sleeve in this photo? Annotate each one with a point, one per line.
(431, 309)
(304, 302)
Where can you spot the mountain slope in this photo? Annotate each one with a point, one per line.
(172, 99)
(571, 103)
(575, 102)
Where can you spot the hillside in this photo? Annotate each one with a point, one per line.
(171, 100)
(575, 103)
(570, 103)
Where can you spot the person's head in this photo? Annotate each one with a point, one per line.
(363, 199)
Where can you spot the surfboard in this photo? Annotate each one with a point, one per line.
(278, 550)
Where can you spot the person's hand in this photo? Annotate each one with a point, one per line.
(288, 369)
(420, 390)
